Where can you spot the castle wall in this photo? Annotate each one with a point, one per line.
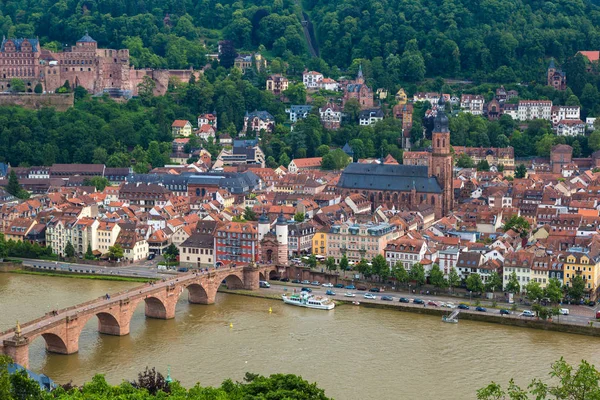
(61, 102)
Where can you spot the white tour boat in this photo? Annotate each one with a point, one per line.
(308, 300)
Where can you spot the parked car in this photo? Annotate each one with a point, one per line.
(387, 298)
(480, 309)
(432, 303)
(404, 300)
(418, 301)
(450, 305)
(592, 303)
(275, 278)
(339, 285)
(330, 293)
(182, 269)
(504, 312)
(361, 288)
(370, 296)
(264, 284)
(327, 285)
(564, 311)
(305, 282)
(527, 313)
(296, 281)
(315, 283)
(306, 289)
(463, 306)
(375, 289)
(285, 279)
(351, 287)
(151, 256)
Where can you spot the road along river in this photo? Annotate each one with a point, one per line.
(351, 352)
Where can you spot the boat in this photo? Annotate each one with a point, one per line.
(452, 318)
(308, 300)
(349, 294)
(356, 303)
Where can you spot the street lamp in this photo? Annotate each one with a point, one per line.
(470, 292)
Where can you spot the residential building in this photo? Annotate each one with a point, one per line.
(135, 247)
(197, 251)
(257, 121)
(181, 127)
(370, 116)
(493, 155)
(319, 242)
(297, 112)
(107, 234)
(328, 84)
(405, 251)
(277, 83)
(557, 78)
(331, 116)
(304, 164)
(579, 262)
(146, 196)
(520, 262)
(570, 127)
(208, 119)
(300, 236)
(468, 262)
(560, 113)
(18, 229)
(534, 109)
(447, 259)
(359, 241)
(401, 97)
(472, 103)
(236, 242)
(311, 79)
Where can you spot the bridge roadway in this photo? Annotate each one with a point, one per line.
(61, 328)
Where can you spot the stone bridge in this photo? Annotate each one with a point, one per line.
(61, 329)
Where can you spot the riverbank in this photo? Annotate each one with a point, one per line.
(61, 274)
(510, 320)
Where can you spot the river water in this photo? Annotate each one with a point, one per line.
(351, 352)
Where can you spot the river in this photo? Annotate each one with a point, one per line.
(351, 352)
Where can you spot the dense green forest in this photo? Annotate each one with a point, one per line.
(508, 40)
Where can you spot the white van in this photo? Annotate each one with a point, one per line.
(564, 311)
(264, 284)
(162, 267)
(527, 313)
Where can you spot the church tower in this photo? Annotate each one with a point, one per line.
(441, 160)
(360, 79)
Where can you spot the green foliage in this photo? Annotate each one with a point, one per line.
(453, 278)
(89, 255)
(400, 274)
(380, 267)
(312, 261)
(69, 250)
(567, 383)
(17, 85)
(577, 288)
(521, 171)
(475, 283)
(534, 290)
(38, 89)
(513, 285)
(464, 161)
(344, 263)
(417, 274)
(493, 283)
(99, 182)
(553, 290)
(330, 264)
(483, 165)
(517, 224)
(250, 215)
(115, 252)
(436, 277)
(172, 250)
(299, 217)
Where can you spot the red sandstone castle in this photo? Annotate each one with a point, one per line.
(83, 65)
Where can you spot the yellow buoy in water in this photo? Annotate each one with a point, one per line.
(270, 310)
(230, 325)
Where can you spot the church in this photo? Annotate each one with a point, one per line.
(407, 186)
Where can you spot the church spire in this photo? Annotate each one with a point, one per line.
(440, 123)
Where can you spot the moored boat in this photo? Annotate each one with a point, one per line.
(308, 300)
(452, 318)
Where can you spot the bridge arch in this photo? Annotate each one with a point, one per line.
(155, 308)
(233, 281)
(109, 324)
(273, 274)
(55, 343)
(197, 294)
(261, 276)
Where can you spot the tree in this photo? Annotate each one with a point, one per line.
(453, 278)
(520, 171)
(569, 383)
(146, 88)
(364, 268)
(69, 250)
(13, 186)
(577, 288)
(312, 261)
(249, 214)
(299, 217)
(417, 274)
(513, 284)
(400, 274)
(330, 264)
(322, 150)
(380, 267)
(172, 250)
(534, 290)
(594, 140)
(553, 290)
(517, 224)
(39, 89)
(89, 255)
(475, 283)
(344, 263)
(296, 93)
(17, 85)
(494, 282)
(227, 53)
(464, 161)
(483, 165)
(99, 182)
(436, 277)
(115, 252)
(151, 381)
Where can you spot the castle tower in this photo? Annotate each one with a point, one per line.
(263, 226)
(441, 160)
(281, 230)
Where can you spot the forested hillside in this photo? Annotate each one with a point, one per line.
(501, 40)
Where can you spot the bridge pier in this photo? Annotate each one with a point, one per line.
(251, 278)
(17, 348)
(163, 306)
